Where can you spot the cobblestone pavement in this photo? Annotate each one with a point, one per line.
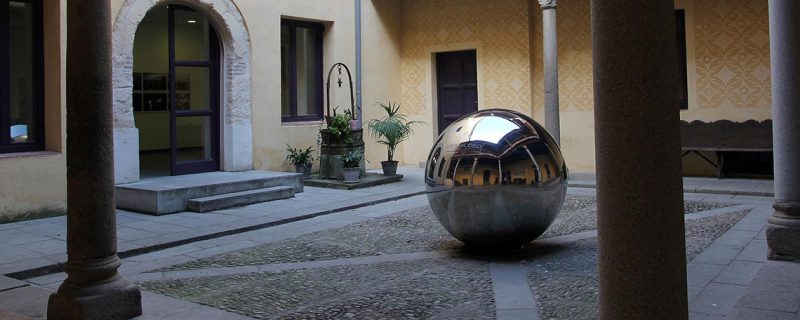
(563, 277)
(700, 233)
(438, 288)
(565, 281)
(413, 230)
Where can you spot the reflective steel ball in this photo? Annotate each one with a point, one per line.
(495, 179)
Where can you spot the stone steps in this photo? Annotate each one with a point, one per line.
(165, 195)
(242, 198)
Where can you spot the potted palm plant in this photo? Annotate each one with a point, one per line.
(301, 159)
(351, 162)
(390, 130)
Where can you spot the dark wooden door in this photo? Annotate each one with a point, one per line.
(457, 85)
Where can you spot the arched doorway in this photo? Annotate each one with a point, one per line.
(176, 92)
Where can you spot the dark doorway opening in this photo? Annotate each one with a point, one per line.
(456, 85)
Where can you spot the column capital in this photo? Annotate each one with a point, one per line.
(547, 4)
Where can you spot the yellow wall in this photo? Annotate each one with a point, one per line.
(732, 60)
(263, 19)
(576, 98)
(727, 62)
(496, 29)
(381, 37)
(34, 183)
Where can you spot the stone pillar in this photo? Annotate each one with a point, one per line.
(783, 229)
(642, 262)
(93, 288)
(550, 39)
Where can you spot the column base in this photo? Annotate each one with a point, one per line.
(783, 232)
(123, 301)
(95, 290)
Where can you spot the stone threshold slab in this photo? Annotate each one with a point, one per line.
(370, 180)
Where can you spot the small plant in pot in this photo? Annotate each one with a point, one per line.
(351, 162)
(390, 130)
(339, 126)
(301, 159)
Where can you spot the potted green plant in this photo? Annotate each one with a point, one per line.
(351, 162)
(339, 129)
(390, 130)
(301, 159)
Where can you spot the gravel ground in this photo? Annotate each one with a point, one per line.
(563, 277)
(565, 281)
(436, 288)
(693, 206)
(579, 214)
(412, 230)
(700, 233)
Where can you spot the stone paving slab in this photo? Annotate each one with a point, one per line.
(751, 222)
(7, 283)
(775, 290)
(511, 291)
(730, 186)
(30, 301)
(561, 273)
(370, 180)
(142, 233)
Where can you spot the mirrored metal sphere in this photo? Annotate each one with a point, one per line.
(495, 178)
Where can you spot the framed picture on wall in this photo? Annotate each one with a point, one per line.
(154, 81)
(155, 102)
(183, 81)
(183, 101)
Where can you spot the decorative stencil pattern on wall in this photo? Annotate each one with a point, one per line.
(499, 27)
(574, 57)
(732, 52)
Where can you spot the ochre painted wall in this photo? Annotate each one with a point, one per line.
(381, 38)
(732, 57)
(496, 29)
(34, 183)
(576, 98)
(727, 62)
(33, 186)
(263, 19)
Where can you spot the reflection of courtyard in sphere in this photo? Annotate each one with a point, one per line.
(496, 179)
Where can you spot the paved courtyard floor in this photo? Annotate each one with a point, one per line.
(392, 260)
(405, 265)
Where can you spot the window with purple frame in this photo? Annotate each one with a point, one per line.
(301, 70)
(21, 107)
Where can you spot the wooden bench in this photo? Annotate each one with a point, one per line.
(725, 136)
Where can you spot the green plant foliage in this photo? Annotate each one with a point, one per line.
(300, 156)
(340, 126)
(392, 128)
(352, 159)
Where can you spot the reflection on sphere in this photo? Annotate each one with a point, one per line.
(496, 179)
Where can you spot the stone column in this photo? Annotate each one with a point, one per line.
(642, 263)
(93, 288)
(783, 229)
(550, 39)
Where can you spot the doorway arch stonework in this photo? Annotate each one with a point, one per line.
(236, 127)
